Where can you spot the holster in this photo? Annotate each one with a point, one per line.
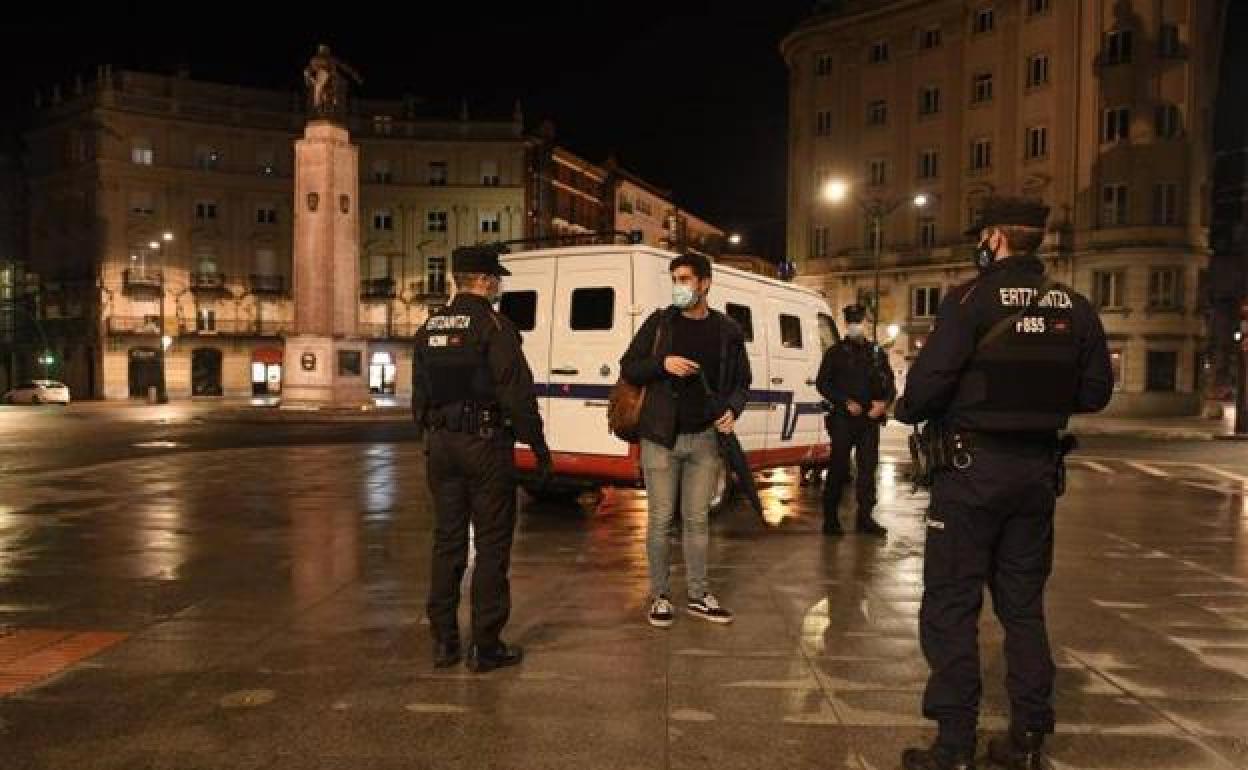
(935, 448)
(1065, 445)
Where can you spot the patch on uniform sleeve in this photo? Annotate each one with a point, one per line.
(442, 323)
(1060, 325)
(455, 341)
(437, 340)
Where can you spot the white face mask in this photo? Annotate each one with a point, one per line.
(684, 297)
(855, 330)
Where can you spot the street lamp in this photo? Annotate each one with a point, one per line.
(876, 209)
(735, 239)
(162, 392)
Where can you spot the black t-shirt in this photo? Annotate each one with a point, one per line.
(697, 340)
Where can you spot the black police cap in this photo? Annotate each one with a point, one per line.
(479, 259)
(1001, 210)
(854, 313)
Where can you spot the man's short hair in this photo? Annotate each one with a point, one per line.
(465, 280)
(700, 265)
(1023, 240)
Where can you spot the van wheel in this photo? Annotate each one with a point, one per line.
(553, 493)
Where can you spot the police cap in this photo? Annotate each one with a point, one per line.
(854, 313)
(482, 258)
(1000, 210)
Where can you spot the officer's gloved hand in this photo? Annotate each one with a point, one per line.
(545, 465)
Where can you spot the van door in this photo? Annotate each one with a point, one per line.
(750, 312)
(528, 300)
(794, 342)
(592, 329)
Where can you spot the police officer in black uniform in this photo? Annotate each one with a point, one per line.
(1012, 356)
(473, 392)
(857, 382)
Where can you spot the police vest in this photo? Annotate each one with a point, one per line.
(453, 348)
(1026, 378)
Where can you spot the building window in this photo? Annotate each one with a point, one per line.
(1166, 204)
(1168, 43)
(437, 173)
(435, 221)
(1037, 142)
(877, 113)
(1037, 7)
(592, 309)
(1118, 45)
(489, 173)
(383, 125)
(435, 276)
(266, 215)
(205, 210)
(927, 232)
(1038, 70)
(1116, 125)
(929, 100)
(981, 88)
(208, 158)
(383, 220)
(819, 242)
(981, 155)
(984, 21)
(879, 52)
(872, 238)
(1107, 289)
(877, 172)
(1165, 288)
(205, 319)
(491, 222)
(974, 208)
(381, 171)
(1113, 205)
(790, 331)
(142, 204)
(929, 164)
(141, 151)
(823, 64)
(1116, 359)
(1162, 371)
(924, 301)
(1169, 121)
(929, 38)
(823, 123)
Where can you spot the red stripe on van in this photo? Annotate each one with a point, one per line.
(627, 470)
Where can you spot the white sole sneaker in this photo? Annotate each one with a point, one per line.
(660, 623)
(723, 621)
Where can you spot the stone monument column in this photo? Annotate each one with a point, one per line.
(326, 359)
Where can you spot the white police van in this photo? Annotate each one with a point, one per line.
(578, 308)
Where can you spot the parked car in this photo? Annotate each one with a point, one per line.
(38, 392)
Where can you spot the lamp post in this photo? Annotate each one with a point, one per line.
(837, 190)
(162, 392)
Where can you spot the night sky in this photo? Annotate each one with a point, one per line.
(691, 96)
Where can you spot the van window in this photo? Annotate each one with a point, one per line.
(828, 334)
(592, 309)
(744, 318)
(790, 331)
(521, 308)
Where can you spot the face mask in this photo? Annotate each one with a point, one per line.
(684, 297)
(984, 254)
(495, 294)
(857, 331)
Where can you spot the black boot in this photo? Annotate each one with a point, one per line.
(1018, 751)
(939, 757)
(832, 525)
(501, 655)
(446, 654)
(867, 525)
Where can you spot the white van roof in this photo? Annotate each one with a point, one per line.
(658, 254)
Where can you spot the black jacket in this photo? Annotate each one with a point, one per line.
(855, 370)
(470, 352)
(640, 367)
(943, 382)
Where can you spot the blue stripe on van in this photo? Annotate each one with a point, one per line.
(792, 410)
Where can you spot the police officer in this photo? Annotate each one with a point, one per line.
(473, 392)
(857, 382)
(1012, 356)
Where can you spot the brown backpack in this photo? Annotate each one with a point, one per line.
(625, 401)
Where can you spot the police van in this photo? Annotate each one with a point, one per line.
(578, 309)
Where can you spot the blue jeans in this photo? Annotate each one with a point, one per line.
(688, 471)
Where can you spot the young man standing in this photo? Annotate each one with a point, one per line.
(697, 380)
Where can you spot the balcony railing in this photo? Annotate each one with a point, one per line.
(267, 284)
(207, 281)
(133, 325)
(231, 327)
(143, 278)
(377, 288)
(395, 330)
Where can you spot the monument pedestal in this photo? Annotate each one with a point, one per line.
(324, 371)
(326, 361)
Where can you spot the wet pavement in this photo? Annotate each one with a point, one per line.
(199, 607)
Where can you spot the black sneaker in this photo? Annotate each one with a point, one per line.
(482, 660)
(938, 757)
(446, 654)
(869, 526)
(662, 614)
(1018, 752)
(707, 607)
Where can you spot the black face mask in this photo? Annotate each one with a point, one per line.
(984, 255)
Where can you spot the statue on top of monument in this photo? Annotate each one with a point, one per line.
(327, 88)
